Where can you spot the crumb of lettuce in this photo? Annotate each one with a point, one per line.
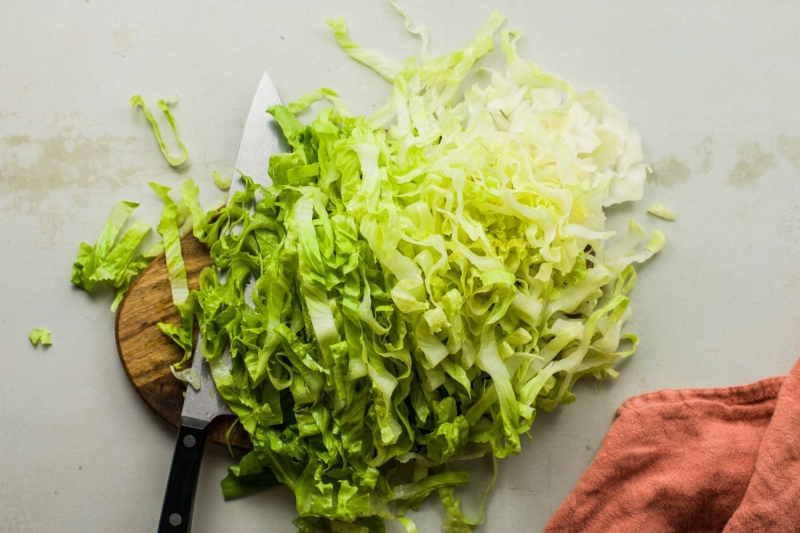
(662, 211)
(40, 336)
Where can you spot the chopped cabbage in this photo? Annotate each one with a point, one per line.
(424, 281)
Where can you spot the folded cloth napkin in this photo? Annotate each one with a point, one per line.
(695, 461)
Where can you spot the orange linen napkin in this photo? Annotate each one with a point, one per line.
(695, 461)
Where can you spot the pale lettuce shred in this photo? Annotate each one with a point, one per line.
(112, 260)
(662, 211)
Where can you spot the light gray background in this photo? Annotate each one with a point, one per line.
(711, 86)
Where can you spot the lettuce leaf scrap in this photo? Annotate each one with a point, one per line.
(40, 336)
(662, 211)
(111, 260)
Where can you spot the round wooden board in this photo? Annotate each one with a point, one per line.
(146, 353)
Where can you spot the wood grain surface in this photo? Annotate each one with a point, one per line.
(146, 353)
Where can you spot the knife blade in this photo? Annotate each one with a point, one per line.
(260, 138)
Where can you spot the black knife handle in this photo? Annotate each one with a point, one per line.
(176, 514)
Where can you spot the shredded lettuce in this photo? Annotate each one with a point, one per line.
(421, 32)
(111, 260)
(190, 376)
(302, 103)
(163, 104)
(424, 281)
(40, 336)
(385, 67)
(662, 211)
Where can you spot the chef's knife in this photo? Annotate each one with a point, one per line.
(260, 138)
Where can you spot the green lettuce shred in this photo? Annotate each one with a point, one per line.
(302, 103)
(40, 336)
(111, 260)
(662, 211)
(163, 104)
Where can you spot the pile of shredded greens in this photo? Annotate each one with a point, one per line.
(424, 281)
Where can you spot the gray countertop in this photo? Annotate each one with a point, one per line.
(712, 87)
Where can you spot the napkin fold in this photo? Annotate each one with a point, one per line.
(695, 461)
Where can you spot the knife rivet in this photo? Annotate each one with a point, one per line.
(189, 441)
(175, 519)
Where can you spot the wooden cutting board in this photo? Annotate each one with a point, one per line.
(146, 353)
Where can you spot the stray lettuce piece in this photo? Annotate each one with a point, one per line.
(91, 257)
(190, 376)
(110, 260)
(301, 104)
(222, 181)
(662, 211)
(137, 101)
(246, 478)
(40, 336)
(424, 281)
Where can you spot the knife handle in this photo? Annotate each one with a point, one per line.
(176, 513)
